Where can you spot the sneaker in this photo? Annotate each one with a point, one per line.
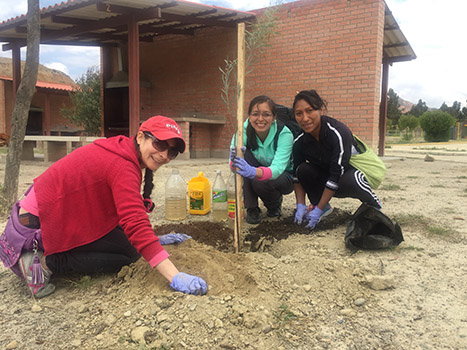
(253, 215)
(274, 208)
(274, 212)
(36, 277)
(326, 212)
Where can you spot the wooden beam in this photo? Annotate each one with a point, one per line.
(124, 10)
(395, 45)
(383, 109)
(170, 17)
(16, 67)
(133, 75)
(107, 23)
(46, 120)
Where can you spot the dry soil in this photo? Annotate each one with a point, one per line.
(288, 288)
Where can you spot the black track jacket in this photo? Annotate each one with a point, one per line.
(330, 154)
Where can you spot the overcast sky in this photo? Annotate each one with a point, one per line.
(434, 28)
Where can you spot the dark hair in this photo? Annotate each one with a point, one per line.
(312, 98)
(251, 142)
(148, 174)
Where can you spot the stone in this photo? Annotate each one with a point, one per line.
(36, 308)
(429, 158)
(137, 334)
(12, 345)
(380, 282)
(359, 301)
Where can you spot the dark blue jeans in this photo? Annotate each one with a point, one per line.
(270, 191)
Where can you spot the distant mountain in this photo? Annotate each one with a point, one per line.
(405, 106)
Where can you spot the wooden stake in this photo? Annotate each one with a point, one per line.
(240, 98)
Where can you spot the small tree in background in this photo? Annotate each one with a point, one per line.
(436, 125)
(86, 100)
(394, 113)
(408, 123)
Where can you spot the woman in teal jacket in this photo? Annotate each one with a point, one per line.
(266, 166)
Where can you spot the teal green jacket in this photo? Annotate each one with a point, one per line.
(278, 160)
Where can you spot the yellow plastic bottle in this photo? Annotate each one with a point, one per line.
(199, 193)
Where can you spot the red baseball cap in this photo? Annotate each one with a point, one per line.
(164, 128)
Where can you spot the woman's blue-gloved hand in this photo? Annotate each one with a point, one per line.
(244, 169)
(185, 283)
(300, 213)
(313, 217)
(173, 238)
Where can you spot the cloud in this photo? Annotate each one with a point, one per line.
(433, 29)
(57, 66)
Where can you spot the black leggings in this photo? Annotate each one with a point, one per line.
(352, 184)
(108, 254)
(270, 191)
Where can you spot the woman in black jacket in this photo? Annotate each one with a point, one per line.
(321, 161)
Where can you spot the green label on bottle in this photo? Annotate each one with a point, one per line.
(219, 196)
(196, 200)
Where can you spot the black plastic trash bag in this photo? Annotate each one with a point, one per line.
(369, 228)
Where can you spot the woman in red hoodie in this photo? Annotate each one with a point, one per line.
(85, 213)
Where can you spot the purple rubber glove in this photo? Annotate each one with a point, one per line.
(173, 238)
(313, 217)
(233, 152)
(185, 283)
(300, 213)
(244, 169)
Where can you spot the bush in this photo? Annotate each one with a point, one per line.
(408, 123)
(86, 103)
(436, 125)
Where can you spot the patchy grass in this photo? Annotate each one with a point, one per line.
(440, 231)
(83, 283)
(440, 149)
(412, 177)
(390, 187)
(424, 223)
(412, 247)
(283, 316)
(438, 186)
(434, 172)
(463, 177)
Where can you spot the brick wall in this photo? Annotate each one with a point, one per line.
(334, 47)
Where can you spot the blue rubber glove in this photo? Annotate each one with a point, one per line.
(244, 169)
(300, 213)
(185, 283)
(313, 217)
(173, 238)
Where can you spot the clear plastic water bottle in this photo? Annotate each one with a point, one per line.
(175, 197)
(219, 198)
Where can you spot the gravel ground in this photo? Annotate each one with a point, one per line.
(302, 290)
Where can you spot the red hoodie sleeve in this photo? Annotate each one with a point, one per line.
(133, 217)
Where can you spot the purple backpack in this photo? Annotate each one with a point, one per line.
(17, 238)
